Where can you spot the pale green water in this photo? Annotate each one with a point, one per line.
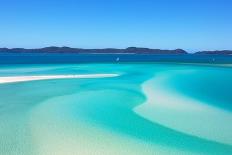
(148, 109)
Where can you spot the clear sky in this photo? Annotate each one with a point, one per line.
(166, 24)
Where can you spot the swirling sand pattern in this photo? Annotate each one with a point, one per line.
(139, 112)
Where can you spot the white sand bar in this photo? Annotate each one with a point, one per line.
(11, 79)
(182, 113)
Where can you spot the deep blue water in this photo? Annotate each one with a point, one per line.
(40, 58)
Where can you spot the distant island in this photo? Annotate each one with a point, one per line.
(129, 50)
(222, 52)
(109, 55)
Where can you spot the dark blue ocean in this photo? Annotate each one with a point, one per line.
(40, 58)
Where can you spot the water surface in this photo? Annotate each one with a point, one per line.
(148, 109)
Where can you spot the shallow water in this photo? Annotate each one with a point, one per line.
(148, 109)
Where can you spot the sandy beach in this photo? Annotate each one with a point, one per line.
(11, 79)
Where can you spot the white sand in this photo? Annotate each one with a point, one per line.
(57, 129)
(11, 79)
(184, 114)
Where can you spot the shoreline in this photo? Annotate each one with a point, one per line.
(13, 79)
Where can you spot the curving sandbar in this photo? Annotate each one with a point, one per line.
(11, 79)
(176, 111)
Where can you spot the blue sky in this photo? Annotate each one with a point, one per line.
(166, 24)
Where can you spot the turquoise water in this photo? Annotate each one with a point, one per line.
(147, 109)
